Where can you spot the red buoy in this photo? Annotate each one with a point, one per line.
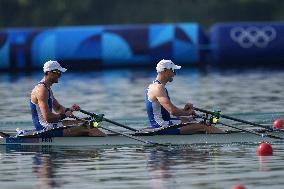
(264, 149)
(278, 124)
(239, 186)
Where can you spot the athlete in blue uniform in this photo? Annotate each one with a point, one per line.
(43, 103)
(160, 108)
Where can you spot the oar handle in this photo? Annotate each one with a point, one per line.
(234, 119)
(108, 120)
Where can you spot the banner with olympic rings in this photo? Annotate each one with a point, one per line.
(246, 44)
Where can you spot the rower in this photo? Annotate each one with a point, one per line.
(160, 108)
(43, 103)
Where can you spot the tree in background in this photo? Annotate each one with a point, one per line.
(37, 13)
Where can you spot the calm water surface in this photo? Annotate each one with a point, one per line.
(252, 95)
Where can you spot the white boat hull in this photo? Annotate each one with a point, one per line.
(114, 140)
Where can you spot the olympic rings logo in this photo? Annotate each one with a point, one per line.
(253, 36)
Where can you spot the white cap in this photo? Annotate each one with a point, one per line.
(166, 64)
(53, 65)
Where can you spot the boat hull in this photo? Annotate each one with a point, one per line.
(114, 140)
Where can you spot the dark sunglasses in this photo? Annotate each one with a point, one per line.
(57, 72)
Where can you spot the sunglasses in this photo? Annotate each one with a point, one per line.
(57, 72)
(173, 70)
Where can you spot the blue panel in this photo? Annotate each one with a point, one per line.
(4, 56)
(71, 42)
(192, 31)
(44, 48)
(18, 36)
(115, 49)
(184, 52)
(109, 45)
(159, 34)
(17, 43)
(20, 57)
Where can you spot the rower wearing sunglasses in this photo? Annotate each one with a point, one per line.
(162, 112)
(48, 113)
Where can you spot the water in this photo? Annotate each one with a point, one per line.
(252, 95)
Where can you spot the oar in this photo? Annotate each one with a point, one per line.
(154, 131)
(108, 120)
(244, 130)
(134, 137)
(124, 134)
(252, 132)
(4, 135)
(234, 119)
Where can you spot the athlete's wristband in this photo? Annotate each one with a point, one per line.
(62, 116)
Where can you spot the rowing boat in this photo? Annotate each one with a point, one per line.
(114, 139)
(149, 136)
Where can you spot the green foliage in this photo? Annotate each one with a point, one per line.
(37, 13)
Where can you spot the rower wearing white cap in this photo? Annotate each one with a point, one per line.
(162, 112)
(48, 113)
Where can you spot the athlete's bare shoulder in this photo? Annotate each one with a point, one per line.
(39, 92)
(157, 89)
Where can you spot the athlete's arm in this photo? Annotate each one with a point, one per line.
(161, 96)
(57, 107)
(42, 100)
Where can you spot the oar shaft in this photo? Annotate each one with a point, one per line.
(252, 132)
(118, 124)
(4, 135)
(87, 113)
(110, 121)
(130, 136)
(123, 134)
(234, 119)
(240, 129)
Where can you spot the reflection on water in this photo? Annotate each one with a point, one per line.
(56, 167)
(43, 169)
(46, 166)
(161, 165)
(140, 167)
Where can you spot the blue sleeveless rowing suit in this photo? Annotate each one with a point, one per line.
(159, 116)
(38, 121)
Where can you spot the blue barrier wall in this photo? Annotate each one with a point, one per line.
(93, 46)
(245, 44)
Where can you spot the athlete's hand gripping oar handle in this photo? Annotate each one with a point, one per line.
(107, 120)
(234, 119)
